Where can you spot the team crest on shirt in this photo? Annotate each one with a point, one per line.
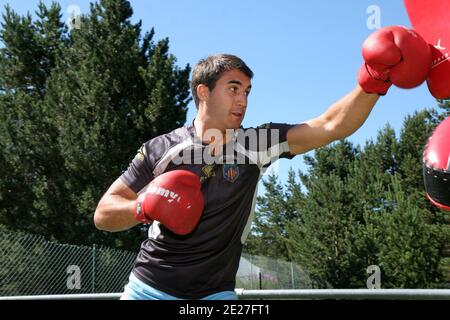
(230, 172)
(207, 172)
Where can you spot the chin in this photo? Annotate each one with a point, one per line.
(234, 126)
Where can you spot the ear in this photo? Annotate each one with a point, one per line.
(202, 92)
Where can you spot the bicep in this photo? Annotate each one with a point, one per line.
(312, 134)
(121, 189)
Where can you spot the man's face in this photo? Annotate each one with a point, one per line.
(227, 102)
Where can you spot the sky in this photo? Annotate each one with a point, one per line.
(305, 54)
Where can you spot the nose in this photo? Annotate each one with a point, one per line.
(241, 100)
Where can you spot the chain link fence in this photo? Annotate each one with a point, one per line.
(257, 272)
(32, 265)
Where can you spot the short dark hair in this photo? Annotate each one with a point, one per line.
(208, 71)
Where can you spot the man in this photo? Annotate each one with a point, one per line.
(194, 244)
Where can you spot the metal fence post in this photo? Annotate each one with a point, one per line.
(292, 276)
(94, 249)
(260, 280)
(251, 272)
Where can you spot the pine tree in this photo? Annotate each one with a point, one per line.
(269, 231)
(77, 110)
(445, 105)
(369, 174)
(413, 137)
(322, 239)
(408, 246)
(361, 206)
(27, 134)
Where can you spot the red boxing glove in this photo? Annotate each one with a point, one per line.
(174, 199)
(394, 55)
(436, 166)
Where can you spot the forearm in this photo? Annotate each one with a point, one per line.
(349, 113)
(115, 213)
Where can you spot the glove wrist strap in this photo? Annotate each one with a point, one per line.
(139, 213)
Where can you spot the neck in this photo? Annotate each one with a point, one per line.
(208, 132)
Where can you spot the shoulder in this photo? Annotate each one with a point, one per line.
(268, 130)
(156, 147)
(270, 126)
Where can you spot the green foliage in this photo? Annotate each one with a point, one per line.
(445, 105)
(75, 108)
(360, 207)
(321, 240)
(408, 246)
(269, 230)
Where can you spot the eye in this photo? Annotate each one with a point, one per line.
(234, 89)
(247, 93)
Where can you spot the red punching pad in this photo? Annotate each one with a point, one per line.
(436, 166)
(431, 19)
